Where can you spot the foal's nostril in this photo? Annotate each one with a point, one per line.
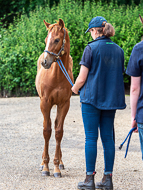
(45, 62)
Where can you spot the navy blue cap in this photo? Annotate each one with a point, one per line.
(96, 22)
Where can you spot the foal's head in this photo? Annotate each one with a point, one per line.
(54, 42)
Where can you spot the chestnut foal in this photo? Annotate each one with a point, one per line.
(54, 89)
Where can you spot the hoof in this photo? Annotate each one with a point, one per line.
(45, 173)
(41, 167)
(61, 166)
(57, 175)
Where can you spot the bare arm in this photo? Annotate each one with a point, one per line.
(134, 95)
(80, 79)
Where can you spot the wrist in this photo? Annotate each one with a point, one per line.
(75, 89)
(133, 117)
(133, 120)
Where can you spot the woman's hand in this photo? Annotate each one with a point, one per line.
(134, 124)
(80, 79)
(74, 89)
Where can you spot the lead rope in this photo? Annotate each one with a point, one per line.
(61, 65)
(129, 135)
(63, 69)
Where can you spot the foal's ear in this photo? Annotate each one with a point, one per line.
(46, 24)
(141, 19)
(61, 23)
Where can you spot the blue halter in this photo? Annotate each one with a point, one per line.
(62, 48)
(61, 65)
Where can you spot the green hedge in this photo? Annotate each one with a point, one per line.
(23, 42)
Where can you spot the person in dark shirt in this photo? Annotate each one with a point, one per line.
(135, 70)
(101, 93)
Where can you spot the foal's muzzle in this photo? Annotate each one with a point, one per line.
(47, 61)
(45, 64)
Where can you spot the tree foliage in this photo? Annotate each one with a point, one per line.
(14, 8)
(23, 42)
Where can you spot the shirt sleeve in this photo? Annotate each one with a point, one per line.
(86, 59)
(133, 68)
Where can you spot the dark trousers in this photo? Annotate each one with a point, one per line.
(93, 119)
(140, 129)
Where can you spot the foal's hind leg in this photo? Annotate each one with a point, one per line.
(61, 113)
(45, 108)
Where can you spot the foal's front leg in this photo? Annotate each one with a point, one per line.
(61, 113)
(61, 165)
(45, 108)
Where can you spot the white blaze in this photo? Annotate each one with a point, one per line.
(47, 45)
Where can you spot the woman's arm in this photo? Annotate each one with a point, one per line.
(80, 79)
(134, 95)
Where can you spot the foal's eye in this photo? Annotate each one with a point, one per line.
(57, 40)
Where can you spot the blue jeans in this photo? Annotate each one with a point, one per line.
(140, 129)
(93, 119)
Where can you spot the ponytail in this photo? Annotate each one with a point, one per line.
(108, 30)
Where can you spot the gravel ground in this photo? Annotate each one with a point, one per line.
(21, 143)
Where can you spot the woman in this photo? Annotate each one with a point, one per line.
(102, 92)
(135, 70)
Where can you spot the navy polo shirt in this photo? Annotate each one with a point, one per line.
(135, 69)
(104, 87)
